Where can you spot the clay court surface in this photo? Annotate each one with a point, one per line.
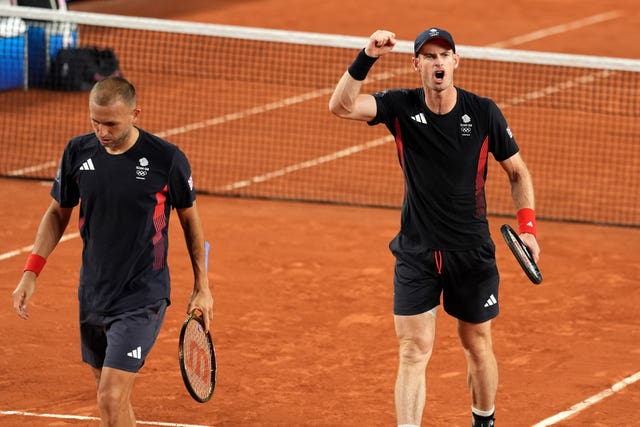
(303, 326)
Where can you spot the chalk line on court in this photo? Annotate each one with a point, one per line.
(34, 168)
(558, 29)
(589, 401)
(86, 418)
(29, 248)
(307, 164)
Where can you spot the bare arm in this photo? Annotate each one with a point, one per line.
(346, 101)
(201, 298)
(522, 194)
(52, 226)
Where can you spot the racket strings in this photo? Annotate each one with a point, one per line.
(197, 359)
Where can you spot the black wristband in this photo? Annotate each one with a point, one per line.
(360, 66)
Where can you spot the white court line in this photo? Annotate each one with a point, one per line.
(246, 113)
(297, 99)
(83, 418)
(35, 168)
(309, 163)
(558, 29)
(550, 90)
(589, 401)
(29, 248)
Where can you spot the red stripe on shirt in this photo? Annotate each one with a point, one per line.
(159, 223)
(481, 204)
(400, 149)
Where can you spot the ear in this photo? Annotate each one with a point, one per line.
(456, 60)
(415, 61)
(134, 115)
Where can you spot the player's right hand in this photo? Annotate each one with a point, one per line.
(380, 43)
(23, 292)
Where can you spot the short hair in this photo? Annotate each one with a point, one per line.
(110, 89)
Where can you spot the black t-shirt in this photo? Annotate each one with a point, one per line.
(444, 162)
(125, 202)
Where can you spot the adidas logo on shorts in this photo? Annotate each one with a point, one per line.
(136, 353)
(491, 301)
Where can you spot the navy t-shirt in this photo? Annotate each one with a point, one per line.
(444, 162)
(125, 202)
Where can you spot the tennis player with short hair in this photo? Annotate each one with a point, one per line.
(443, 136)
(126, 182)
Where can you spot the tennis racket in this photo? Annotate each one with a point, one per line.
(521, 253)
(197, 355)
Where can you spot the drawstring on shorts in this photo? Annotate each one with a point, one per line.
(437, 255)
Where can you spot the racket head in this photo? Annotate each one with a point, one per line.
(521, 253)
(197, 359)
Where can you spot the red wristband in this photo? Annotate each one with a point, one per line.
(35, 263)
(527, 221)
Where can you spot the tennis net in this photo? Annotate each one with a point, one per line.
(249, 108)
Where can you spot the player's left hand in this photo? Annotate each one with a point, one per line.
(202, 300)
(531, 243)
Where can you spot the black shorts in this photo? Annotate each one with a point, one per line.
(467, 280)
(122, 341)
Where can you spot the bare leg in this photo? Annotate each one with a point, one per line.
(482, 367)
(416, 336)
(114, 397)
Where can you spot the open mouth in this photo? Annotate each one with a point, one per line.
(439, 74)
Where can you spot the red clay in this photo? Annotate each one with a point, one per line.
(303, 326)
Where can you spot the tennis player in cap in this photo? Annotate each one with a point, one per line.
(444, 136)
(126, 181)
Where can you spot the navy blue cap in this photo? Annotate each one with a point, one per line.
(432, 34)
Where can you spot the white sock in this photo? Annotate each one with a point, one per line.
(483, 413)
